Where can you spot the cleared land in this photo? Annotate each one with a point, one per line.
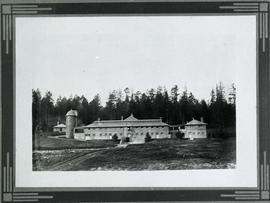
(166, 154)
(55, 143)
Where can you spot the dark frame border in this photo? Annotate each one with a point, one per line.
(10, 10)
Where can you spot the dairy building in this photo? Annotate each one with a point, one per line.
(132, 128)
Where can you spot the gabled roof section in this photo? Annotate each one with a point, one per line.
(131, 118)
(130, 121)
(195, 122)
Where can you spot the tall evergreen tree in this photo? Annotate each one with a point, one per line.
(36, 102)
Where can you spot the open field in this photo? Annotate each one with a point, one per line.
(166, 154)
(54, 143)
(44, 160)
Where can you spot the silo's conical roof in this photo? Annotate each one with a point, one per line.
(72, 113)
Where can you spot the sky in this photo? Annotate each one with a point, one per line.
(98, 54)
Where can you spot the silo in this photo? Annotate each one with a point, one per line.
(71, 123)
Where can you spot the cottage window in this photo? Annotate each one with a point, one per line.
(137, 133)
(202, 133)
(120, 133)
(161, 133)
(152, 133)
(141, 133)
(198, 133)
(100, 134)
(193, 133)
(156, 133)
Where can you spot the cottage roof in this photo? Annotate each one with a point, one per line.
(130, 121)
(72, 113)
(195, 122)
(61, 125)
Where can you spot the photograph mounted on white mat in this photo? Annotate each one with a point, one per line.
(129, 96)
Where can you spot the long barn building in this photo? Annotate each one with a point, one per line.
(135, 130)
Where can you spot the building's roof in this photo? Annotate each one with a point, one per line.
(131, 118)
(195, 122)
(130, 121)
(72, 113)
(61, 125)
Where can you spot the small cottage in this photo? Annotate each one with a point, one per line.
(195, 129)
(60, 127)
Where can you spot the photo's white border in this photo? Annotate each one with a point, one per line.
(245, 174)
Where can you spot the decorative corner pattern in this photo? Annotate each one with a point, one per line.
(7, 176)
(262, 9)
(264, 178)
(29, 197)
(10, 10)
(263, 193)
(24, 197)
(243, 195)
(242, 7)
(263, 24)
(6, 26)
(9, 195)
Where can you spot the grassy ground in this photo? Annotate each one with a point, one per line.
(44, 160)
(53, 143)
(166, 154)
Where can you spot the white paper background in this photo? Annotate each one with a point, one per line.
(245, 175)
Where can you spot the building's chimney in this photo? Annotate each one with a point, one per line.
(201, 119)
(160, 118)
(122, 118)
(58, 122)
(98, 119)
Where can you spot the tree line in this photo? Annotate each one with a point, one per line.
(174, 107)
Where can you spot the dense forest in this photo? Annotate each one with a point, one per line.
(173, 107)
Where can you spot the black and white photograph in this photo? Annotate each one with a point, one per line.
(132, 93)
(134, 101)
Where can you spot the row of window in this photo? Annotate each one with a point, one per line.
(105, 134)
(198, 133)
(195, 127)
(110, 134)
(132, 127)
